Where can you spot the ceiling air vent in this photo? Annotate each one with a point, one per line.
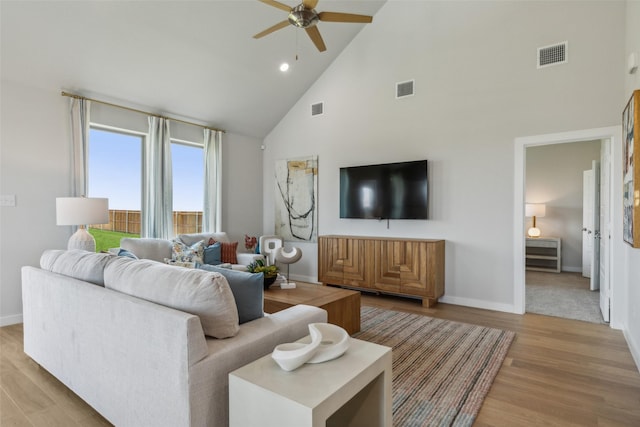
(553, 55)
(317, 109)
(404, 89)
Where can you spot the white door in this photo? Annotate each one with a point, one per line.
(591, 225)
(605, 227)
(587, 222)
(595, 257)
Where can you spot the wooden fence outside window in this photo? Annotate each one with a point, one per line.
(126, 221)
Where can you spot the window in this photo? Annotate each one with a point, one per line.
(114, 171)
(188, 186)
(115, 162)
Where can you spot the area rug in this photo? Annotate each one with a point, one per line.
(442, 370)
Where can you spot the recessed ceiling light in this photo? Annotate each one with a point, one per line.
(284, 67)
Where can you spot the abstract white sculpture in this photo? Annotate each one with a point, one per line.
(328, 342)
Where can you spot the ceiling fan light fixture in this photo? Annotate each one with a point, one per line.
(303, 18)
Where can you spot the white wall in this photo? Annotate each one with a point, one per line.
(554, 177)
(477, 88)
(632, 256)
(34, 143)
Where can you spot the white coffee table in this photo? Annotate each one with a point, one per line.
(353, 390)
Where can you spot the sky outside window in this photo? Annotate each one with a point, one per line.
(115, 171)
(115, 164)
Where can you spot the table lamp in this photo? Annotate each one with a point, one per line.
(82, 211)
(534, 210)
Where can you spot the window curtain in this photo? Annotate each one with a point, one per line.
(212, 214)
(79, 115)
(157, 192)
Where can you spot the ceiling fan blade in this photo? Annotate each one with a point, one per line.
(316, 38)
(310, 4)
(277, 4)
(278, 26)
(344, 17)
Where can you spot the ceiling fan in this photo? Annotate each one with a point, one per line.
(305, 16)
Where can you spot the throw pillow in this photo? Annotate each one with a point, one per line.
(247, 290)
(184, 253)
(229, 251)
(129, 254)
(203, 294)
(213, 254)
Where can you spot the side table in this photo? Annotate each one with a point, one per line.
(352, 390)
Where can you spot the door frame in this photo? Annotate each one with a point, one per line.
(521, 143)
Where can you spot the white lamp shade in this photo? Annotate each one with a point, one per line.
(82, 210)
(535, 209)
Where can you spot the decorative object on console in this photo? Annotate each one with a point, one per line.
(328, 342)
(534, 210)
(288, 257)
(82, 211)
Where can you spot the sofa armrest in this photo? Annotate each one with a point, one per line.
(210, 376)
(245, 258)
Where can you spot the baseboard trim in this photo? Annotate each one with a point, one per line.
(476, 303)
(572, 269)
(10, 320)
(634, 347)
(307, 279)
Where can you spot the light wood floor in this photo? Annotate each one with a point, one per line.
(558, 372)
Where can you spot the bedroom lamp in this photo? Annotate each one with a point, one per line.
(81, 211)
(534, 210)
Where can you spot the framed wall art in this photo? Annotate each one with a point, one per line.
(631, 171)
(297, 199)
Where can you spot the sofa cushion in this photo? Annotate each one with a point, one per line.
(146, 248)
(181, 252)
(76, 263)
(213, 254)
(247, 288)
(229, 252)
(193, 291)
(190, 239)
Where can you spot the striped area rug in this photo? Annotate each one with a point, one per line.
(442, 370)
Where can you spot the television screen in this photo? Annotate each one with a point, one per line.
(385, 191)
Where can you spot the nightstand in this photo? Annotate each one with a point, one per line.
(543, 254)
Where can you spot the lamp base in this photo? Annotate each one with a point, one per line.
(534, 232)
(81, 239)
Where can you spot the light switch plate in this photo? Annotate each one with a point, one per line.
(7, 200)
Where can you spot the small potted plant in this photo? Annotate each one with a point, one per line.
(270, 271)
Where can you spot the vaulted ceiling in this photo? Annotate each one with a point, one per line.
(191, 59)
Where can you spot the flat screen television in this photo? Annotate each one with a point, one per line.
(384, 191)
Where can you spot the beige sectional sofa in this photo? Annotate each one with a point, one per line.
(138, 362)
(159, 249)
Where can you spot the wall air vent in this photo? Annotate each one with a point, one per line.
(404, 89)
(553, 55)
(317, 109)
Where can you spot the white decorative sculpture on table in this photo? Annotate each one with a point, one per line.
(268, 247)
(327, 342)
(284, 257)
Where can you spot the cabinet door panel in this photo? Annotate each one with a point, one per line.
(345, 261)
(413, 279)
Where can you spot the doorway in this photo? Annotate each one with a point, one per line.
(610, 133)
(563, 179)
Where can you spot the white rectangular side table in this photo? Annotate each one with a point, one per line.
(352, 390)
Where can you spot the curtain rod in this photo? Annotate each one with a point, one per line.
(71, 95)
